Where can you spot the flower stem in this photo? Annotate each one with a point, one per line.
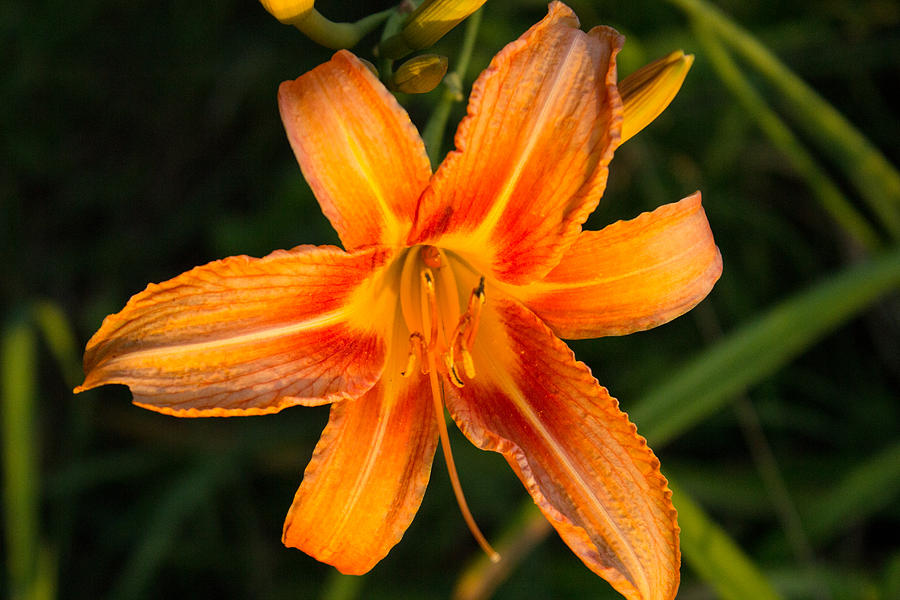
(433, 134)
(338, 35)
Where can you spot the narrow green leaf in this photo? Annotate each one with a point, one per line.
(20, 465)
(761, 347)
(877, 181)
(870, 486)
(187, 495)
(525, 529)
(714, 556)
(60, 338)
(342, 587)
(820, 183)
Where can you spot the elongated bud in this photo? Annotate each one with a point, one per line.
(287, 10)
(426, 25)
(649, 90)
(420, 74)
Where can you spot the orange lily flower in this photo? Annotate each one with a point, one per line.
(452, 291)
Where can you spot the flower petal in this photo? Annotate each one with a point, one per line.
(631, 275)
(367, 475)
(589, 472)
(531, 155)
(244, 336)
(360, 153)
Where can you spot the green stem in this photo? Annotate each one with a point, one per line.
(433, 134)
(877, 181)
(338, 35)
(831, 198)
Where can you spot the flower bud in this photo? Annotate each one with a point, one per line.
(287, 10)
(420, 74)
(426, 25)
(649, 90)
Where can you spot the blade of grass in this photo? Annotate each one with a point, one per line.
(877, 181)
(184, 497)
(527, 528)
(59, 336)
(20, 465)
(818, 180)
(714, 555)
(870, 486)
(743, 358)
(761, 347)
(342, 587)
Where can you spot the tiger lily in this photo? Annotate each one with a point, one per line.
(452, 292)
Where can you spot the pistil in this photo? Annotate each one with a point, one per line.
(430, 301)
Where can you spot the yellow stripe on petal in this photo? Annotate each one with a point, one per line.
(629, 276)
(579, 457)
(360, 153)
(649, 90)
(531, 154)
(244, 336)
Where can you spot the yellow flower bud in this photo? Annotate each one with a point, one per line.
(649, 90)
(420, 74)
(427, 24)
(287, 10)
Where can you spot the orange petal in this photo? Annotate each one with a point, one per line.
(589, 472)
(367, 475)
(630, 276)
(531, 155)
(361, 155)
(244, 336)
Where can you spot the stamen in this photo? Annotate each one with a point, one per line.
(428, 282)
(452, 372)
(468, 363)
(476, 301)
(464, 336)
(416, 354)
(437, 395)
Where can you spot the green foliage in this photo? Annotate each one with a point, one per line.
(143, 138)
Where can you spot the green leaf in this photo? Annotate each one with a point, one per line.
(820, 183)
(18, 358)
(761, 347)
(877, 181)
(60, 338)
(715, 557)
(870, 486)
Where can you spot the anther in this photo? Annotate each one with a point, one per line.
(452, 373)
(468, 363)
(476, 301)
(428, 281)
(416, 355)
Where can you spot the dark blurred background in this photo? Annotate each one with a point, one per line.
(140, 139)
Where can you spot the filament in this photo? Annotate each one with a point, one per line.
(437, 395)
